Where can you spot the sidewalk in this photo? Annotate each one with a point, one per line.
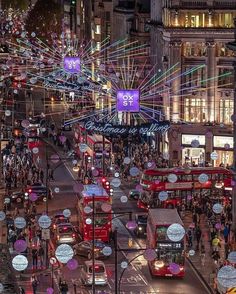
(206, 268)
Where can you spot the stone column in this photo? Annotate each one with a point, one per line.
(211, 73)
(175, 57)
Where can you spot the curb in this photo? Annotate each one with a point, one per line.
(202, 279)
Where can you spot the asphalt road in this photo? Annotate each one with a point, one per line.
(136, 278)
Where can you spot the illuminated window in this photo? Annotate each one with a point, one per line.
(98, 46)
(226, 110)
(195, 109)
(98, 29)
(194, 23)
(225, 78)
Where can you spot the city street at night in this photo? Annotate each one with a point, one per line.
(117, 147)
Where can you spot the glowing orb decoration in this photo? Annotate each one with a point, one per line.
(175, 232)
(218, 226)
(64, 253)
(88, 209)
(227, 146)
(123, 199)
(191, 252)
(195, 143)
(163, 195)
(1, 288)
(35, 150)
(116, 182)
(62, 139)
(139, 188)
(54, 158)
(124, 264)
(106, 207)
(72, 64)
(217, 208)
(203, 178)
(116, 175)
(19, 222)
(25, 123)
(67, 212)
(72, 264)
(44, 221)
(78, 187)
(50, 290)
(226, 276)
(83, 147)
(107, 251)
(131, 225)
(232, 257)
(134, 171)
(127, 160)
(214, 155)
(150, 254)
(95, 172)
(127, 100)
(88, 221)
(174, 268)
(20, 245)
(7, 112)
(2, 215)
(56, 190)
(33, 197)
(19, 262)
(172, 178)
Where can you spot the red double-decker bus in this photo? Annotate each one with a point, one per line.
(168, 252)
(103, 224)
(187, 180)
(99, 148)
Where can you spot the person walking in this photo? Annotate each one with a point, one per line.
(198, 236)
(41, 255)
(226, 233)
(35, 257)
(203, 254)
(34, 283)
(64, 287)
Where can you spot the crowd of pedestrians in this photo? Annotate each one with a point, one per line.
(20, 170)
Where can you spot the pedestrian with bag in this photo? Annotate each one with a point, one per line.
(34, 283)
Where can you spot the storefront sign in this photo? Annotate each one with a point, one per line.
(109, 129)
(72, 64)
(127, 100)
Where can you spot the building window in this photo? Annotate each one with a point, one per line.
(225, 78)
(194, 49)
(195, 109)
(221, 141)
(195, 78)
(98, 29)
(226, 110)
(187, 139)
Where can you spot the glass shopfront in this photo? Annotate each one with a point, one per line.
(194, 155)
(223, 145)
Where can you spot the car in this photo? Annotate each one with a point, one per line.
(99, 270)
(141, 221)
(134, 194)
(66, 234)
(85, 248)
(59, 219)
(40, 190)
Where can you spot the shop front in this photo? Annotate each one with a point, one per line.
(193, 149)
(223, 145)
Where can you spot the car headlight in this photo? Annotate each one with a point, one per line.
(140, 228)
(159, 264)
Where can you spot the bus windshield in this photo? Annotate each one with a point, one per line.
(169, 257)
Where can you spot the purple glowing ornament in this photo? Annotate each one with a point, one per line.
(218, 226)
(95, 172)
(33, 197)
(106, 207)
(72, 264)
(139, 188)
(62, 139)
(20, 246)
(131, 225)
(174, 268)
(54, 158)
(50, 291)
(150, 254)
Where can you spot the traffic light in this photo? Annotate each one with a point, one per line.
(106, 185)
